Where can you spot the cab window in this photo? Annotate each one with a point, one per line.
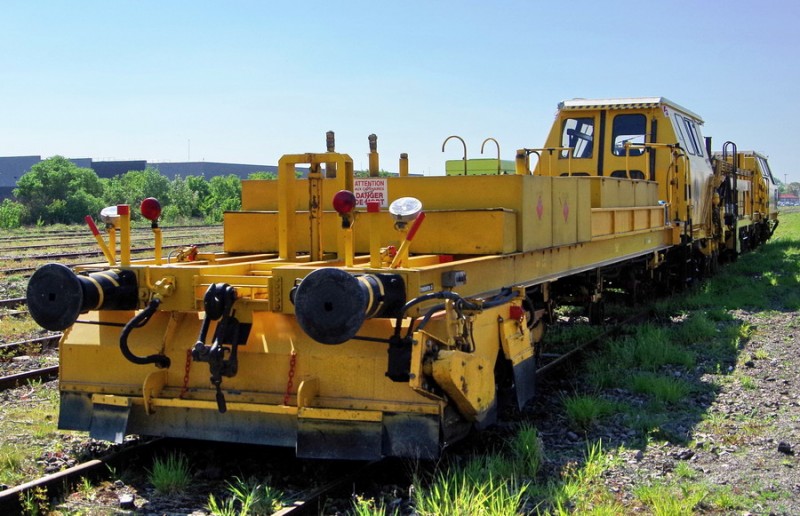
(680, 131)
(578, 133)
(765, 171)
(689, 135)
(628, 128)
(691, 129)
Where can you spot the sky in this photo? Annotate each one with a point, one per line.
(248, 81)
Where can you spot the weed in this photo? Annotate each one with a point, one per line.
(368, 507)
(671, 499)
(455, 492)
(662, 388)
(170, 475)
(684, 470)
(34, 501)
(85, 488)
(584, 410)
(226, 507)
(724, 498)
(247, 497)
(748, 382)
(526, 451)
(695, 328)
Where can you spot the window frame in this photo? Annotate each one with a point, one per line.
(589, 120)
(614, 135)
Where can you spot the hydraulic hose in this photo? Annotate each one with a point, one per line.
(139, 320)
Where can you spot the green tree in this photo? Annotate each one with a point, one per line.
(225, 194)
(135, 185)
(11, 214)
(57, 190)
(201, 190)
(182, 200)
(261, 174)
(365, 173)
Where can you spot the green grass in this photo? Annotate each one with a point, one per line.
(37, 415)
(171, 474)
(583, 410)
(252, 496)
(458, 492)
(487, 483)
(671, 499)
(698, 332)
(579, 488)
(661, 388)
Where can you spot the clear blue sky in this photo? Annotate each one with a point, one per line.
(247, 81)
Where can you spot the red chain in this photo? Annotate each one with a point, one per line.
(290, 383)
(186, 376)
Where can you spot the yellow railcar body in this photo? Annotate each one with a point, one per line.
(259, 343)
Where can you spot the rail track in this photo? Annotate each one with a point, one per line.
(83, 241)
(13, 302)
(81, 232)
(14, 349)
(24, 270)
(97, 253)
(57, 484)
(15, 380)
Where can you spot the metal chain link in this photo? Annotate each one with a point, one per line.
(290, 383)
(186, 375)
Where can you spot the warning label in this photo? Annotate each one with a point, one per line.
(370, 189)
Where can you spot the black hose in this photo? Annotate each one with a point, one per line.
(506, 294)
(139, 320)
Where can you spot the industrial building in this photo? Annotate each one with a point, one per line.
(14, 167)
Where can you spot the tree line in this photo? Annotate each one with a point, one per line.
(58, 191)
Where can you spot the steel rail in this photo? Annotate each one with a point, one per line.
(82, 231)
(563, 358)
(15, 380)
(46, 341)
(57, 484)
(22, 270)
(86, 242)
(11, 303)
(95, 253)
(311, 504)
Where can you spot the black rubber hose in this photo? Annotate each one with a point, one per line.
(139, 320)
(506, 294)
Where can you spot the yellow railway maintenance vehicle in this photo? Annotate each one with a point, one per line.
(750, 198)
(365, 317)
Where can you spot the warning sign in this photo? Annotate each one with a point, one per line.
(371, 189)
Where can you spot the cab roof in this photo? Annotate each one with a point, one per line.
(626, 103)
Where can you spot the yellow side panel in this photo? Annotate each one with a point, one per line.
(610, 221)
(250, 231)
(83, 358)
(645, 193)
(641, 219)
(461, 192)
(443, 232)
(571, 210)
(602, 222)
(536, 214)
(259, 195)
(584, 212)
(605, 192)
